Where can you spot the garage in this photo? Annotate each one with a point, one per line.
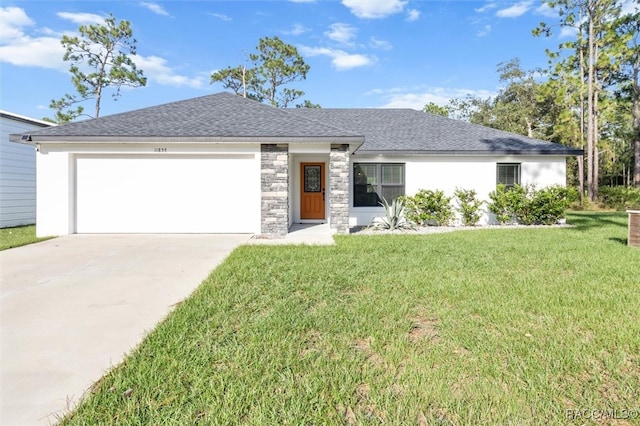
(167, 194)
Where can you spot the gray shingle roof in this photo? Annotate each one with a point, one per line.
(224, 115)
(401, 131)
(219, 115)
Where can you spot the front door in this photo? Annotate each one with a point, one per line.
(312, 191)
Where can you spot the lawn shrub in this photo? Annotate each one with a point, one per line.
(428, 207)
(505, 202)
(619, 197)
(528, 205)
(545, 206)
(468, 206)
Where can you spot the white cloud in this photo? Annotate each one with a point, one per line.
(296, 30)
(156, 70)
(340, 59)
(486, 7)
(45, 52)
(419, 97)
(21, 49)
(221, 16)
(516, 10)
(13, 21)
(155, 8)
(82, 18)
(413, 15)
(546, 11)
(568, 32)
(484, 31)
(380, 44)
(341, 33)
(374, 9)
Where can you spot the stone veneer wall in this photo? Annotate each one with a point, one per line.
(274, 176)
(339, 188)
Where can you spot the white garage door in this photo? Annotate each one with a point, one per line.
(167, 194)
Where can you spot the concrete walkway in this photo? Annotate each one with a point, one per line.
(72, 307)
(307, 234)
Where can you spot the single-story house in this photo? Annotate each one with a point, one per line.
(17, 171)
(225, 164)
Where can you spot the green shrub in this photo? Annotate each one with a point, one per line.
(429, 208)
(528, 205)
(468, 206)
(545, 206)
(619, 197)
(506, 202)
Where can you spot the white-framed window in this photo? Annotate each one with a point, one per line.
(508, 174)
(374, 181)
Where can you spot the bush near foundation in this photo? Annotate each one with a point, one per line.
(528, 205)
(429, 208)
(468, 206)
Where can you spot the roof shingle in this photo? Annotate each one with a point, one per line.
(385, 131)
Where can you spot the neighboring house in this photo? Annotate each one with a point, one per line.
(17, 171)
(223, 163)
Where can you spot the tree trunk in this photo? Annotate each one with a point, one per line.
(636, 173)
(98, 99)
(636, 123)
(529, 127)
(581, 157)
(581, 176)
(590, 115)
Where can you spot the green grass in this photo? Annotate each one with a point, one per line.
(19, 236)
(505, 326)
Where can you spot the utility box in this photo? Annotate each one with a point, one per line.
(634, 228)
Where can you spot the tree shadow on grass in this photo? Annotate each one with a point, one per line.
(623, 241)
(585, 221)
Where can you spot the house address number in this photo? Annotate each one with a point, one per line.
(159, 149)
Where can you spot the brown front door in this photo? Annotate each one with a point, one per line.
(312, 191)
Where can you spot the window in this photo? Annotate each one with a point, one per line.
(374, 181)
(508, 174)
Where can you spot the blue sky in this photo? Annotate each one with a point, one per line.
(362, 53)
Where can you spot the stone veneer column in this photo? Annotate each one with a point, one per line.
(339, 188)
(274, 176)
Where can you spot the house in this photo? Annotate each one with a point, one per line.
(17, 171)
(225, 164)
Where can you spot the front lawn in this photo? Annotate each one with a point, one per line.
(19, 236)
(503, 326)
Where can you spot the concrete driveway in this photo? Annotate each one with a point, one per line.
(72, 307)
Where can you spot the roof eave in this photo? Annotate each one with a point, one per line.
(569, 152)
(57, 139)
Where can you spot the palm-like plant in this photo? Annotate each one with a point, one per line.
(394, 217)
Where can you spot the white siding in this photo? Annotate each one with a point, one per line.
(449, 173)
(17, 173)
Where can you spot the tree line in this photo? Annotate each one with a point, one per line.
(587, 97)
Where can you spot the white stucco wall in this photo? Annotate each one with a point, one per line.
(449, 173)
(56, 186)
(57, 174)
(17, 171)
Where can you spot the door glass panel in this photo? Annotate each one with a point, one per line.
(312, 178)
